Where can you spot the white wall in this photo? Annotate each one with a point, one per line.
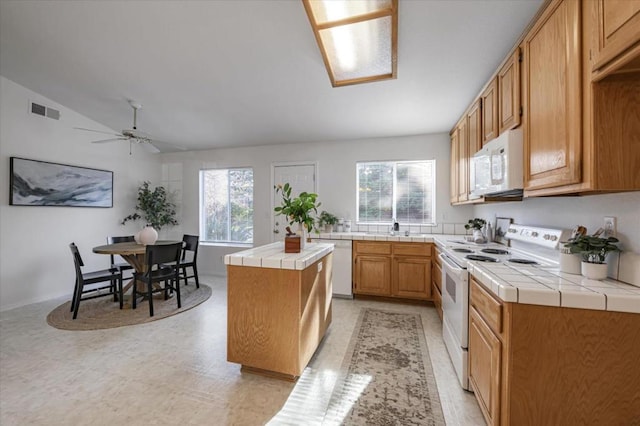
(336, 179)
(35, 261)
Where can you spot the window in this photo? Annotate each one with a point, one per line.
(226, 205)
(403, 190)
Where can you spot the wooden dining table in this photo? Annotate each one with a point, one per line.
(134, 254)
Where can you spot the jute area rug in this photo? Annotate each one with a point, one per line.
(387, 377)
(103, 312)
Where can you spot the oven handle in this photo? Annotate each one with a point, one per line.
(449, 265)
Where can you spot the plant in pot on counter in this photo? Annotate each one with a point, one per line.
(327, 220)
(594, 251)
(299, 209)
(476, 224)
(157, 211)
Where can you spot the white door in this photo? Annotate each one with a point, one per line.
(302, 178)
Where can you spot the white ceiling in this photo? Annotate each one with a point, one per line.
(239, 73)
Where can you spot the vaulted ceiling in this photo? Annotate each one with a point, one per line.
(240, 73)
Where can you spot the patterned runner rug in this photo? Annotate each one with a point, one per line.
(386, 377)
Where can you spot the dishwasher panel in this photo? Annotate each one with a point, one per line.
(342, 268)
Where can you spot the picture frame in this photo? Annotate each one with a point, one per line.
(43, 183)
(502, 224)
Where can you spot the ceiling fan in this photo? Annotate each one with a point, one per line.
(133, 135)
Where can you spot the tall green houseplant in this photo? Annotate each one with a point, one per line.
(298, 209)
(156, 209)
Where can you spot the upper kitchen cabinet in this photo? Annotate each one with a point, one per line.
(489, 99)
(509, 107)
(617, 34)
(474, 125)
(552, 98)
(454, 167)
(463, 160)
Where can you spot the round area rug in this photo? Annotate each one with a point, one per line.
(103, 312)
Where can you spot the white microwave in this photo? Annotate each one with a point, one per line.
(497, 168)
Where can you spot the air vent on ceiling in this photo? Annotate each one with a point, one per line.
(44, 111)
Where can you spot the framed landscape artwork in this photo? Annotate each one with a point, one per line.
(40, 183)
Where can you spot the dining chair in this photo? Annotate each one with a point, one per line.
(121, 266)
(189, 244)
(88, 282)
(161, 263)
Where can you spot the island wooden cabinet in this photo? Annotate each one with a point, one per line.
(543, 365)
(489, 99)
(552, 94)
(392, 269)
(509, 93)
(617, 30)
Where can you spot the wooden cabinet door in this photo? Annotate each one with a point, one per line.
(412, 277)
(373, 275)
(463, 161)
(474, 122)
(618, 27)
(454, 168)
(509, 93)
(484, 367)
(489, 99)
(552, 107)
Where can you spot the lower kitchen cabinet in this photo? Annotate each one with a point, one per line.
(411, 277)
(372, 275)
(392, 269)
(484, 366)
(544, 365)
(436, 281)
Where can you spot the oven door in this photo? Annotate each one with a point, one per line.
(455, 299)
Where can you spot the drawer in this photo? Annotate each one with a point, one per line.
(436, 275)
(489, 308)
(436, 253)
(372, 247)
(412, 249)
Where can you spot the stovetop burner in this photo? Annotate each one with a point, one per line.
(523, 261)
(494, 251)
(463, 250)
(481, 258)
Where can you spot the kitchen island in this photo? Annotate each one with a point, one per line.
(278, 307)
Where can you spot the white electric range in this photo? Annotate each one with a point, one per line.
(537, 251)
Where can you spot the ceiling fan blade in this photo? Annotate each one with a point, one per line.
(150, 147)
(166, 146)
(110, 140)
(97, 131)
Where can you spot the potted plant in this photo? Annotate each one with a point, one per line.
(327, 220)
(476, 224)
(157, 211)
(298, 209)
(594, 251)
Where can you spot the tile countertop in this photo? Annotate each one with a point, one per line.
(550, 287)
(273, 256)
(366, 236)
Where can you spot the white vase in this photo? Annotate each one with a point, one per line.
(136, 237)
(570, 263)
(148, 236)
(303, 236)
(594, 271)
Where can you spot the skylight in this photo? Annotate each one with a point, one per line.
(358, 39)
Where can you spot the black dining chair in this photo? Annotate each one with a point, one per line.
(189, 244)
(89, 283)
(161, 267)
(121, 266)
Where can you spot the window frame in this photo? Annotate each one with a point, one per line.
(394, 191)
(201, 219)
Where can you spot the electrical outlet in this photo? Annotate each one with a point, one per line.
(609, 226)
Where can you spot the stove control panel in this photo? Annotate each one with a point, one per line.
(546, 237)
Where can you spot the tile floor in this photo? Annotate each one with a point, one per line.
(174, 371)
